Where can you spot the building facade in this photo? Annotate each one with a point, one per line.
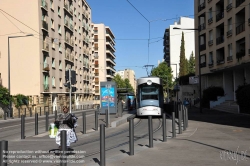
(61, 40)
(224, 44)
(130, 75)
(103, 49)
(172, 42)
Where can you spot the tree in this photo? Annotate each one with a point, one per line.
(191, 64)
(128, 85)
(182, 64)
(119, 81)
(165, 73)
(5, 98)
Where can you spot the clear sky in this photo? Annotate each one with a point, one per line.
(131, 29)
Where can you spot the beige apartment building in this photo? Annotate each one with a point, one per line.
(224, 43)
(61, 40)
(130, 75)
(103, 50)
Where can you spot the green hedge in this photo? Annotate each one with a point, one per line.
(211, 94)
(243, 98)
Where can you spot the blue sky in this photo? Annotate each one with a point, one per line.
(131, 29)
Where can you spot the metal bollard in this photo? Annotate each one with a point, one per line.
(30, 112)
(187, 116)
(102, 145)
(173, 125)
(179, 121)
(107, 118)
(96, 120)
(40, 111)
(47, 121)
(63, 141)
(55, 114)
(36, 124)
(150, 131)
(3, 152)
(22, 126)
(164, 127)
(119, 109)
(184, 117)
(19, 114)
(84, 122)
(131, 136)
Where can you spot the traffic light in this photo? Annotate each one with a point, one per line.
(67, 75)
(74, 89)
(67, 85)
(73, 77)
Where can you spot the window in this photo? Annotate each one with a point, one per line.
(60, 47)
(53, 63)
(59, 29)
(229, 24)
(230, 51)
(52, 24)
(75, 11)
(211, 35)
(53, 82)
(60, 65)
(203, 61)
(51, 5)
(79, 30)
(211, 61)
(75, 27)
(60, 80)
(79, 16)
(59, 11)
(53, 43)
(210, 13)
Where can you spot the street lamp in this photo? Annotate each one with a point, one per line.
(199, 67)
(9, 37)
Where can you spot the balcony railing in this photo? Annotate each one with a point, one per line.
(45, 46)
(203, 64)
(229, 7)
(220, 61)
(239, 2)
(229, 58)
(46, 66)
(202, 47)
(229, 33)
(211, 64)
(45, 25)
(220, 40)
(240, 28)
(219, 16)
(240, 54)
(210, 20)
(210, 42)
(46, 87)
(44, 4)
(201, 7)
(202, 26)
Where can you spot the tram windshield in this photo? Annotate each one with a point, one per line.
(149, 94)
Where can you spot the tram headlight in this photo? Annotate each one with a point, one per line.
(149, 82)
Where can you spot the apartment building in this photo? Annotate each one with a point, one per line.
(61, 32)
(130, 75)
(103, 49)
(224, 43)
(172, 42)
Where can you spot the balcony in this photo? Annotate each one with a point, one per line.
(68, 41)
(96, 65)
(219, 16)
(210, 20)
(229, 7)
(203, 64)
(46, 87)
(202, 47)
(202, 27)
(45, 46)
(96, 91)
(45, 25)
(211, 64)
(44, 5)
(210, 42)
(229, 33)
(230, 58)
(96, 74)
(240, 54)
(239, 2)
(46, 67)
(219, 62)
(220, 40)
(240, 28)
(69, 10)
(111, 60)
(201, 7)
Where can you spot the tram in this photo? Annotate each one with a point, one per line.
(149, 96)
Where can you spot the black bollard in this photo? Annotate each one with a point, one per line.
(63, 159)
(19, 114)
(3, 152)
(179, 121)
(164, 127)
(107, 118)
(187, 117)
(36, 124)
(40, 111)
(150, 131)
(173, 125)
(96, 120)
(55, 114)
(22, 126)
(183, 117)
(47, 121)
(131, 136)
(84, 122)
(102, 145)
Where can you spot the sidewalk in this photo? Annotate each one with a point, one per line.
(212, 138)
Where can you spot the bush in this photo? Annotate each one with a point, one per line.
(211, 94)
(243, 98)
(20, 100)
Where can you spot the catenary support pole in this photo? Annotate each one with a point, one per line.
(22, 126)
(150, 131)
(102, 145)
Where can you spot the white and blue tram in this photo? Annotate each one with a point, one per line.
(149, 96)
